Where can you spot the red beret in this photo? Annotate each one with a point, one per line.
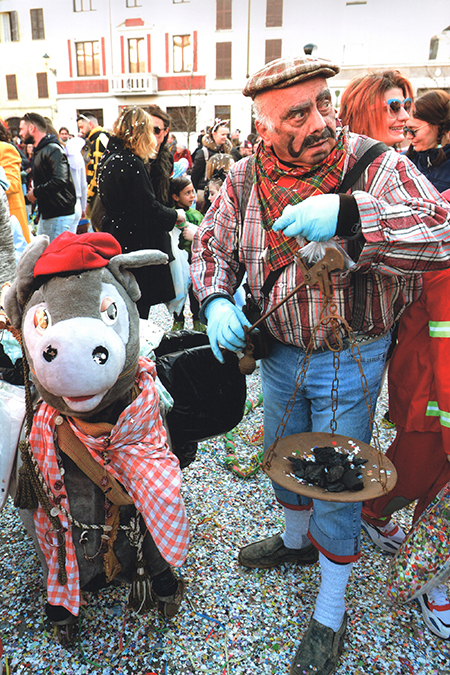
(76, 252)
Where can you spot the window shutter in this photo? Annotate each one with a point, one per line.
(14, 20)
(223, 14)
(273, 50)
(223, 60)
(37, 24)
(42, 85)
(274, 13)
(11, 87)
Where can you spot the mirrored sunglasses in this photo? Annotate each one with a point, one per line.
(394, 105)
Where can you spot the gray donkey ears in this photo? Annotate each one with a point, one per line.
(119, 265)
(17, 294)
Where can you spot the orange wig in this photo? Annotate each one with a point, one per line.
(362, 103)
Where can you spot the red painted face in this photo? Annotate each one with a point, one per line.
(302, 120)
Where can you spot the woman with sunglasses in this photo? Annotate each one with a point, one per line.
(161, 166)
(378, 105)
(428, 131)
(133, 215)
(419, 370)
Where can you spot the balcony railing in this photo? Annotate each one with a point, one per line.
(136, 83)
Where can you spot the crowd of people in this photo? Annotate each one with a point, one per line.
(252, 204)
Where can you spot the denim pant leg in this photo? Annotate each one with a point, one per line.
(334, 527)
(52, 227)
(76, 217)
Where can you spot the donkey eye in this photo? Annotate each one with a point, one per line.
(109, 311)
(42, 320)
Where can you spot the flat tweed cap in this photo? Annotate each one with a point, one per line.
(284, 72)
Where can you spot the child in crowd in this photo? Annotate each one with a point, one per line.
(214, 184)
(211, 193)
(183, 196)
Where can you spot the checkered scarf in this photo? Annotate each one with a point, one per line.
(281, 184)
(140, 460)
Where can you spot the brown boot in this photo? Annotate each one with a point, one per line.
(169, 605)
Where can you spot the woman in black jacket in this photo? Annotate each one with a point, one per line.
(132, 213)
(428, 131)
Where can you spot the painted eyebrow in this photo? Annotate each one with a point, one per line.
(306, 105)
(326, 93)
(299, 108)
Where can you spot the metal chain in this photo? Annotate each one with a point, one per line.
(382, 474)
(290, 404)
(334, 391)
(336, 321)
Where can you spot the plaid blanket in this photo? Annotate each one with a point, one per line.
(280, 184)
(139, 458)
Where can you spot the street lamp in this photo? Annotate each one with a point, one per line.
(46, 58)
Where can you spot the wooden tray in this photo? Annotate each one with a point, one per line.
(301, 445)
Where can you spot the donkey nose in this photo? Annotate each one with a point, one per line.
(50, 353)
(100, 355)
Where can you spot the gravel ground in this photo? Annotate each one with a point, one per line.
(233, 621)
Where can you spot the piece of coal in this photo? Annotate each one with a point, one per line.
(336, 487)
(329, 457)
(352, 480)
(359, 461)
(315, 474)
(335, 473)
(299, 472)
(297, 463)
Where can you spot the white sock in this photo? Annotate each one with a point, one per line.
(330, 603)
(297, 525)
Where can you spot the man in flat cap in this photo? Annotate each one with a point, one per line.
(393, 227)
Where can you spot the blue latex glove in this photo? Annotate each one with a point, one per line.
(225, 326)
(315, 218)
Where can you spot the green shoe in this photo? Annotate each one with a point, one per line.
(270, 552)
(177, 325)
(319, 650)
(199, 327)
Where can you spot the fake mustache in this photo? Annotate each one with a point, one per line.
(311, 140)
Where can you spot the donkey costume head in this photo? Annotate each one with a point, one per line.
(75, 301)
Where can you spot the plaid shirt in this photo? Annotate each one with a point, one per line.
(140, 460)
(406, 228)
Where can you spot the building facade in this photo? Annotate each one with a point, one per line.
(192, 57)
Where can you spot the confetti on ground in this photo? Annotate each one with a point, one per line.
(233, 621)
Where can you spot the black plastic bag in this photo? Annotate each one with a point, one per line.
(209, 397)
(9, 371)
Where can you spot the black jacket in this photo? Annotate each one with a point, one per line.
(209, 148)
(53, 184)
(136, 219)
(438, 175)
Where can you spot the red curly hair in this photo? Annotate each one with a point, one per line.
(362, 103)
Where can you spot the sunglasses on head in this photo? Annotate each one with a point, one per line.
(157, 130)
(412, 132)
(394, 105)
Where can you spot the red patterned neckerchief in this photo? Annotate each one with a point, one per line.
(140, 459)
(280, 184)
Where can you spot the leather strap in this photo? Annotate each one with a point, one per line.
(77, 451)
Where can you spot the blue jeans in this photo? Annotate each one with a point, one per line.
(52, 227)
(334, 527)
